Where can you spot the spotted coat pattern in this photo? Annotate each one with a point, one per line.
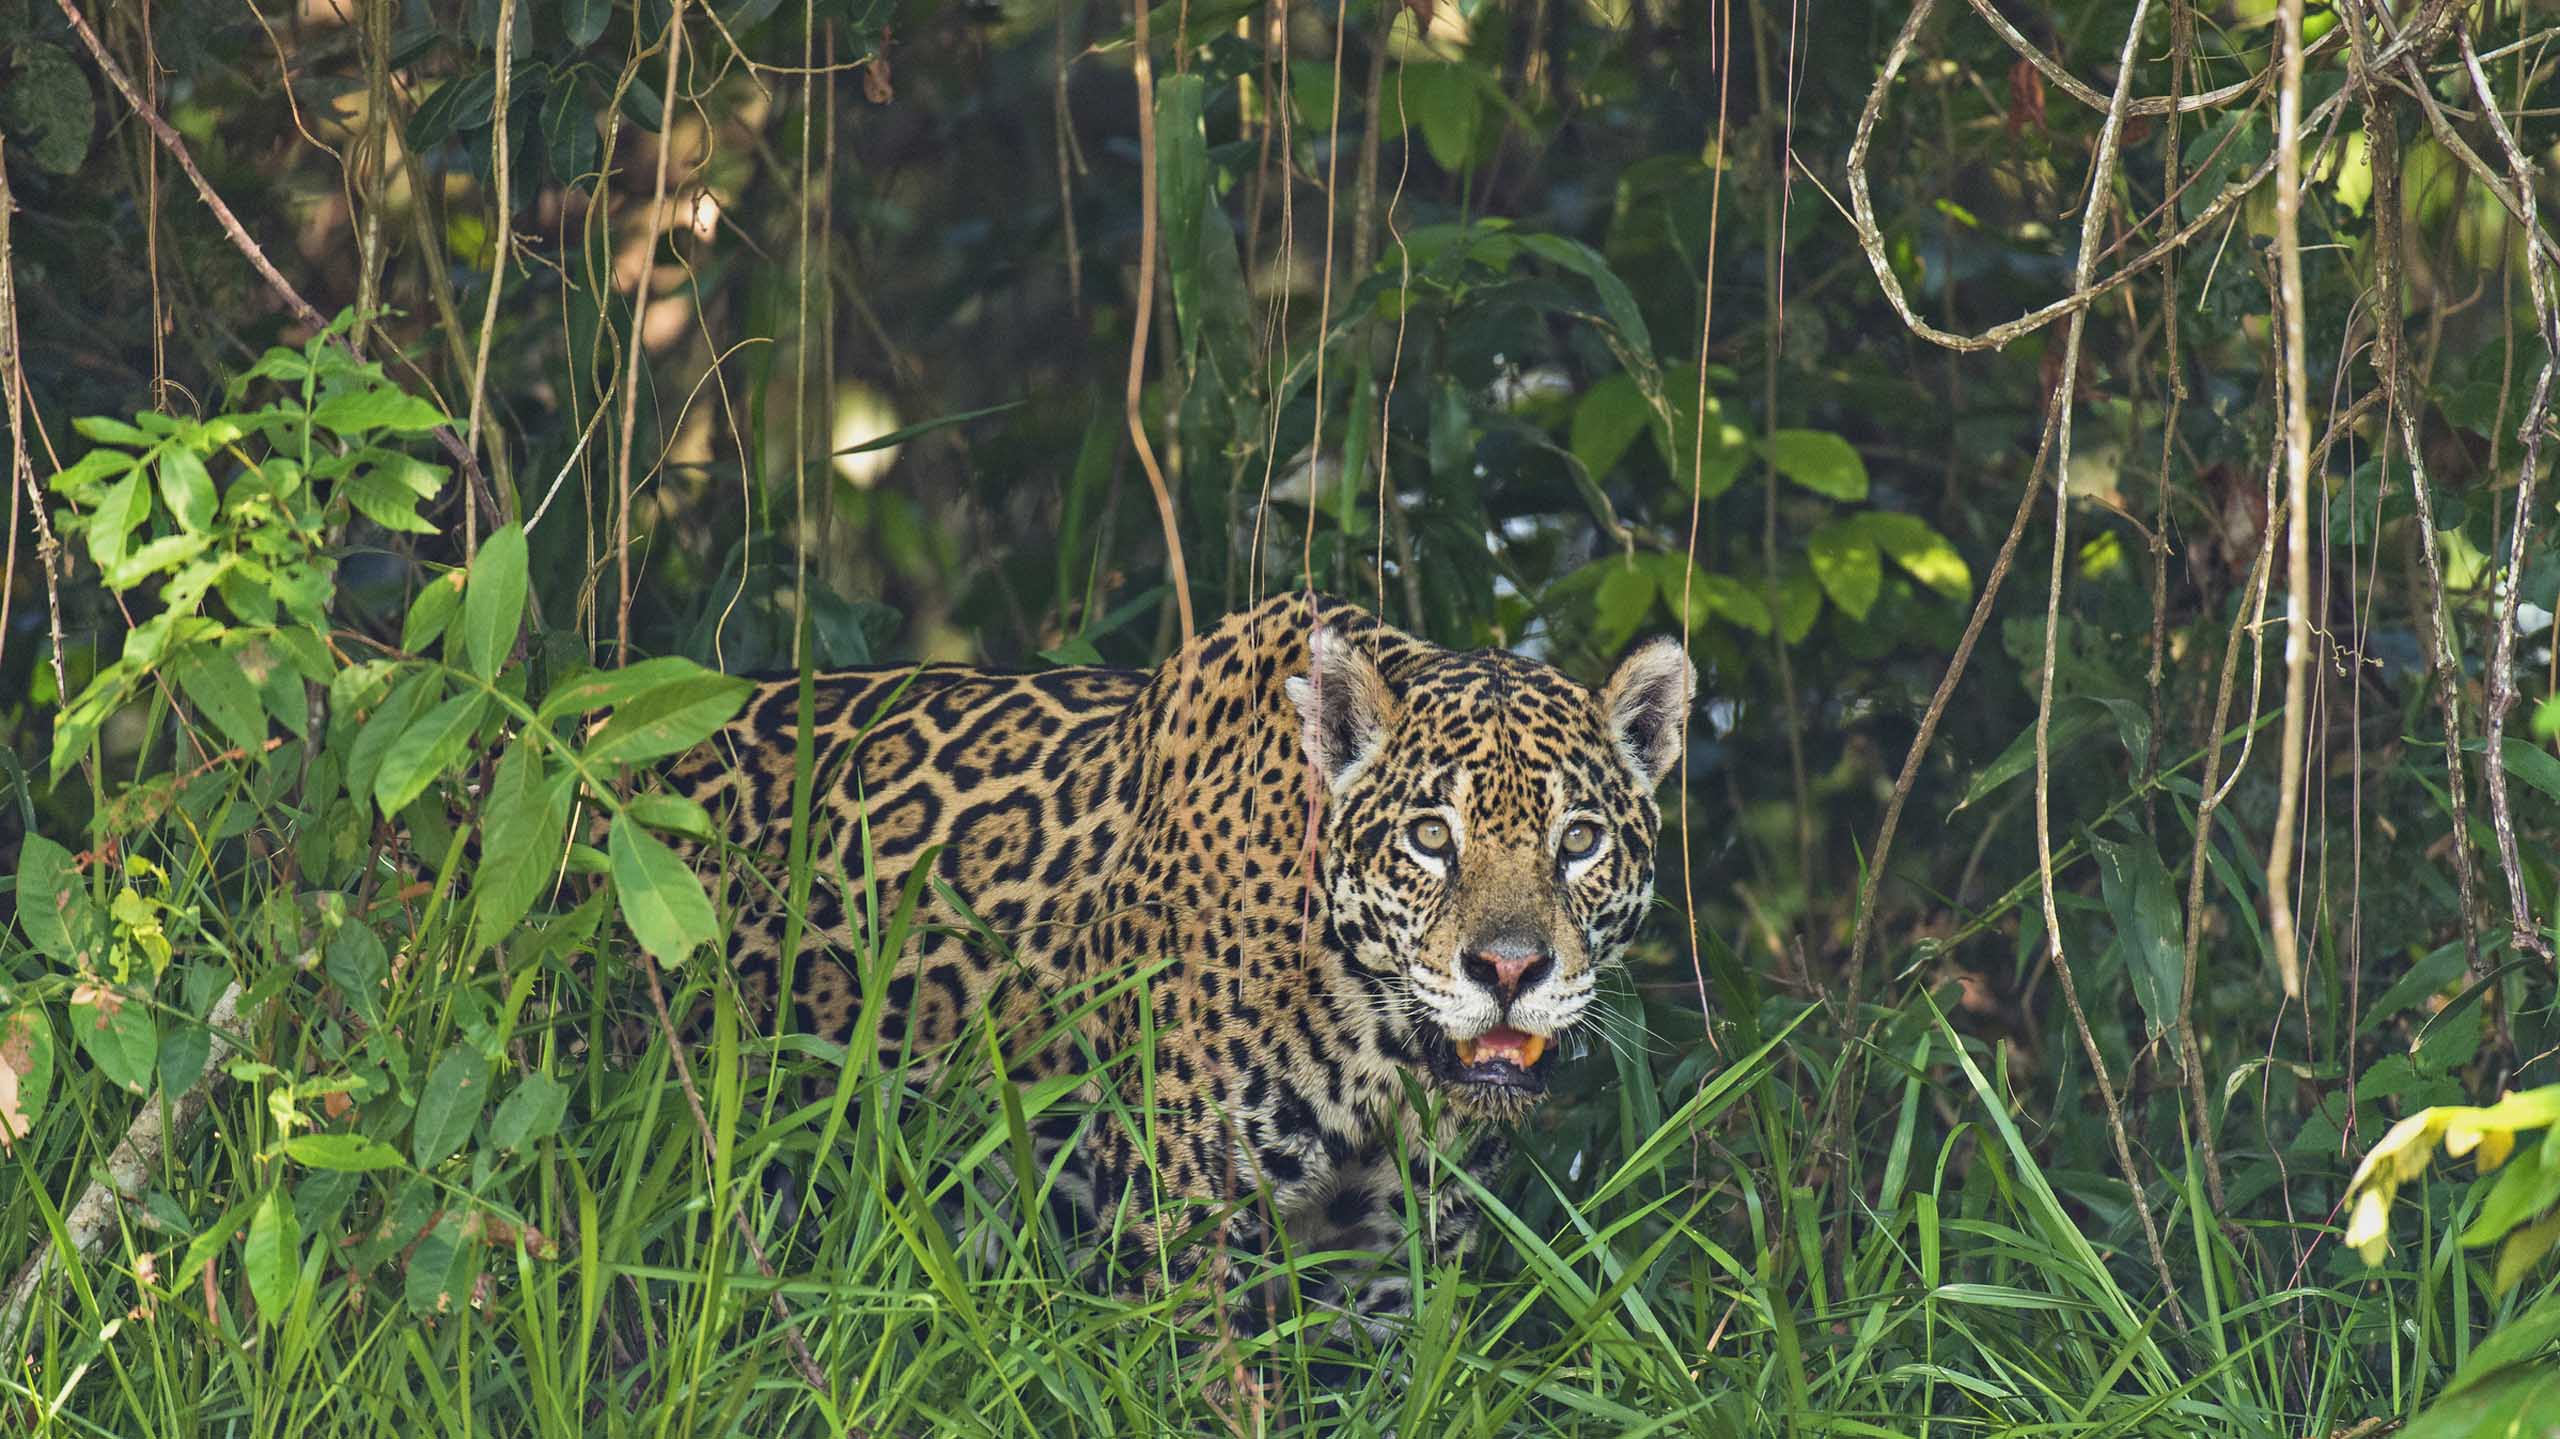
(1103, 823)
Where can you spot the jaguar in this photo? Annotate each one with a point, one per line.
(1306, 862)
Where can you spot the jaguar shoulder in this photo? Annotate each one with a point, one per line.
(1341, 857)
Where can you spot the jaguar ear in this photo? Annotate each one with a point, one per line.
(1343, 706)
(1646, 706)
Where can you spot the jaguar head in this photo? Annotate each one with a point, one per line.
(1487, 843)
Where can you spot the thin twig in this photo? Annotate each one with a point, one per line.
(2537, 414)
(2092, 229)
(2172, 103)
(2390, 352)
(22, 469)
(1177, 574)
(656, 223)
(504, 236)
(2296, 410)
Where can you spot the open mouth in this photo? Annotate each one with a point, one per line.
(1502, 1059)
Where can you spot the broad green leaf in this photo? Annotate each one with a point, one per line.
(117, 1033)
(380, 407)
(493, 606)
(1606, 420)
(1929, 556)
(109, 431)
(427, 749)
(1799, 603)
(520, 840)
(355, 962)
(531, 1113)
(438, 1275)
(2150, 931)
(673, 813)
(185, 486)
(597, 689)
(449, 1105)
(1441, 98)
(1845, 562)
(668, 719)
(384, 727)
(388, 492)
(1720, 455)
(51, 903)
(214, 683)
(184, 1052)
(1624, 598)
(1706, 596)
(431, 613)
(584, 20)
(122, 507)
(661, 899)
(1820, 461)
(274, 1256)
(26, 1073)
(353, 1152)
(2523, 1189)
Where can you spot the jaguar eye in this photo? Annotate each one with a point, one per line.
(1580, 838)
(1431, 836)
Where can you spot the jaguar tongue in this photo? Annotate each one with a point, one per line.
(1510, 1046)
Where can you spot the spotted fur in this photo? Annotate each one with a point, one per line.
(1095, 822)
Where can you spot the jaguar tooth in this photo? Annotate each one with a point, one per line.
(1530, 1049)
(1467, 1051)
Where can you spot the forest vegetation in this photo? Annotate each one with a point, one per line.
(2096, 453)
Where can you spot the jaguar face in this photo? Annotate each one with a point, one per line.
(1487, 842)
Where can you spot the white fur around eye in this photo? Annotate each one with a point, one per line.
(1576, 868)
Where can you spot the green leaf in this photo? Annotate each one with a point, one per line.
(355, 413)
(531, 1113)
(119, 1037)
(668, 719)
(351, 1152)
(598, 689)
(388, 722)
(1606, 420)
(2073, 721)
(1799, 603)
(355, 962)
(431, 613)
(661, 899)
(383, 497)
(2523, 1190)
(438, 1275)
(493, 606)
(1820, 461)
(274, 1256)
(569, 124)
(1624, 598)
(186, 488)
(431, 747)
(520, 840)
(108, 431)
(449, 1105)
(1929, 556)
(584, 20)
(1845, 562)
(1707, 596)
(1443, 99)
(184, 1051)
(673, 813)
(2150, 931)
(215, 685)
(50, 899)
(122, 508)
(26, 1073)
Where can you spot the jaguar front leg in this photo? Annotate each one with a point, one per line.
(1397, 1205)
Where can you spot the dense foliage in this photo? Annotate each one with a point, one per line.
(548, 357)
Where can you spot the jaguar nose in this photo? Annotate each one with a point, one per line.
(1507, 966)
